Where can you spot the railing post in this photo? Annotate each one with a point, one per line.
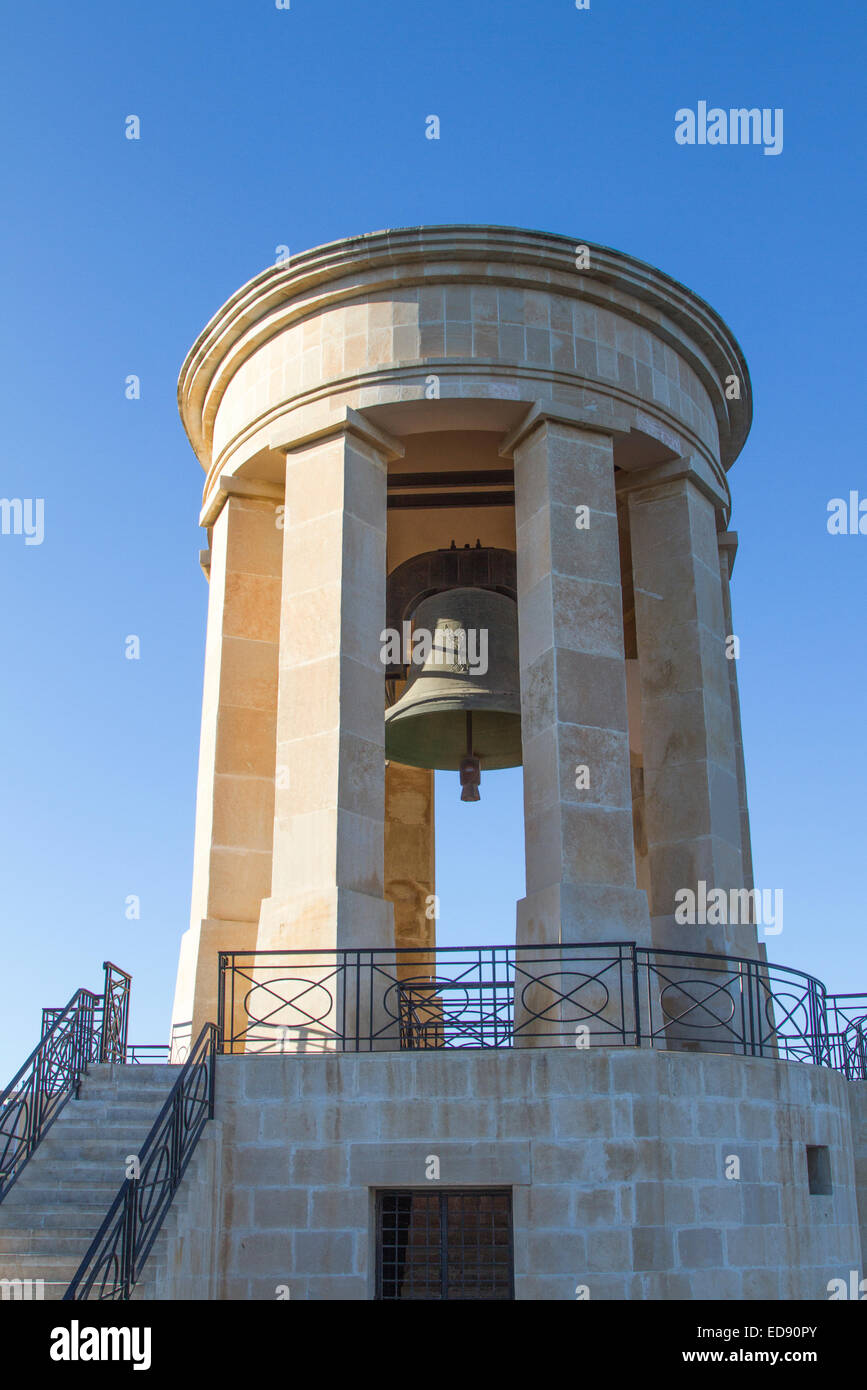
(819, 1009)
(177, 1118)
(357, 963)
(212, 1068)
(34, 1123)
(127, 1258)
(82, 1035)
(222, 958)
(106, 1013)
(636, 992)
(115, 1013)
(748, 1021)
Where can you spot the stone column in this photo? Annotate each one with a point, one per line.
(728, 545)
(409, 885)
(692, 804)
(328, 859)
(235, 797)
(409, 855)
(580, 856)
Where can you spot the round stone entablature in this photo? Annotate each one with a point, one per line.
(462, 314)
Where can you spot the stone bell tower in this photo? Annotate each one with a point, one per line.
(453, 428)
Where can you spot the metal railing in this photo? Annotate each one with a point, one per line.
(114, 1261)
(90, 1028)
(607, 993)
(144, 1054)
(847, 1025)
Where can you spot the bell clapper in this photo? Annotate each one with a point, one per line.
(471, 768)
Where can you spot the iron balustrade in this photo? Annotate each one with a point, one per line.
(604, 993)
(114, 1261)
(143, 1054)
(90, 1028)
(847, 1022)
(115, 1014)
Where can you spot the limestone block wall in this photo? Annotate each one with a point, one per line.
(858, 1105)
(496, 315)
(616, 1160)
(184, 1262)
(479, 322)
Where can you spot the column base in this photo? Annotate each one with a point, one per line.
(569, 912)
(196, 990)
(730, 939)
(581, 994)
(334, 919)
(329, 994)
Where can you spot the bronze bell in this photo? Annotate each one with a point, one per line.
(461, 709)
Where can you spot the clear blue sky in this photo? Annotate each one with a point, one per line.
(262, 127)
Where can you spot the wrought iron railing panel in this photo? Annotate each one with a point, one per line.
(606, 993)
(142, 1054)
(750, 1007)
(51, 1075)
(90, 1028)
(847, 1027)
(114, 1021)
(113, 1263)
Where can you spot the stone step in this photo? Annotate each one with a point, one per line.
(60, 1164)
(45, 1193)
(144, 1073)
(57, 1218)
(70, 1241)
(52, 1213)
(66, 1145)
(39, 1266)
(106, 1149)
(62, 1177)
(101, 1179)
(95, 1088)
(119, 1095)
(107, 1110)
(127, 1089)
(123, 1132)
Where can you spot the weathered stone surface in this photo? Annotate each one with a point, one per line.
(652, 1216)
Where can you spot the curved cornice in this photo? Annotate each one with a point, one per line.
(412, 256)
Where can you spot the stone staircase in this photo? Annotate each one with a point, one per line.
(51, 1214)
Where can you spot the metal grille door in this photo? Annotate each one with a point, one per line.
(444, 1245)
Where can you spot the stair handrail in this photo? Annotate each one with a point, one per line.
(90, 1028)
(115, 1013)
(116, 1255)
(42, 1086)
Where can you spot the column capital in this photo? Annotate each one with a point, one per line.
(580, 417)
(347, 421)
(728, 546)
(692, 468)
(257, 489)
